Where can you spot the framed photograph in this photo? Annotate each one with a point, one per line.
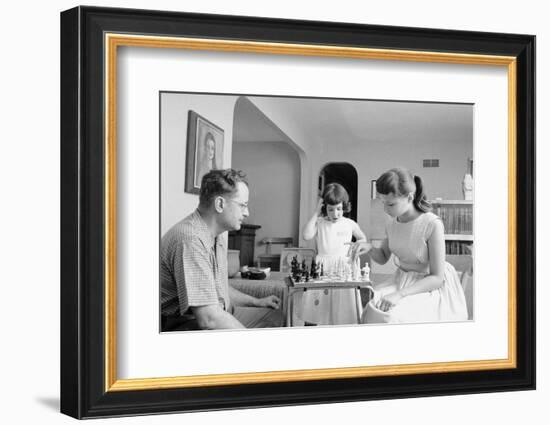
(204, 150)
(302, 106)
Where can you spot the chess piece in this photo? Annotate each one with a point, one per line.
(365, 273)
(355, 271)
(347, 272)
(314, 270)
(294, 267)
(294, 264)
(341, 270)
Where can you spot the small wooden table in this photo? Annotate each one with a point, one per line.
(295, 287)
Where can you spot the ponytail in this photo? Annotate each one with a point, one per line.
(401, 182)
(420, 200)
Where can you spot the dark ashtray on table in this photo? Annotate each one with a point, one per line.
(255, 273)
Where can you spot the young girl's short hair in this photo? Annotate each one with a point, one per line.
(401, 182)
(333, 194)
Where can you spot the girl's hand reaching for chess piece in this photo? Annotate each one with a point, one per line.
(358, 248)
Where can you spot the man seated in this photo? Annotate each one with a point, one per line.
(193, 263)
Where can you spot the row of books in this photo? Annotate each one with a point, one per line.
(457, 219)
(457, 248)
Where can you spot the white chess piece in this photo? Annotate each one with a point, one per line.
(356, 272)
(365, 272)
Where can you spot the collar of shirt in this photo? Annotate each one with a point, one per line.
(203, 232)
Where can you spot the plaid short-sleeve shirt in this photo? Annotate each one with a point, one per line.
(193, 267)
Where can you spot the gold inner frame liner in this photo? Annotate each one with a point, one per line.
(113, 41)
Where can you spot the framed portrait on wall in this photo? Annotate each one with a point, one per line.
(115, 361)
(204, 150)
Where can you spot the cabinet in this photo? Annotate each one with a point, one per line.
(457, 217)
(244, 240)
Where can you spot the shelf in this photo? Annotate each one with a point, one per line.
(465, 238)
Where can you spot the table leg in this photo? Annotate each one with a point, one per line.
(288, 312)
(358, 304)
(289, 308)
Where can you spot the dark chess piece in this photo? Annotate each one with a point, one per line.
(294, 267)
(322, 270)
(314, 270)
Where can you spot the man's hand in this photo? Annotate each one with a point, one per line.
(272, 301)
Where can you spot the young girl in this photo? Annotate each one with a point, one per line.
(424, 288)
(333, 234)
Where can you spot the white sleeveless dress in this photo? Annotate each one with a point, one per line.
(408, 242)
(332, 306)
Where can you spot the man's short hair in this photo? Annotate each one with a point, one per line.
(219, 183)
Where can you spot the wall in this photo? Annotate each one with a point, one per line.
(372, 156)
(175, 203)
(276, 113)
(274, 188)
(372, 159)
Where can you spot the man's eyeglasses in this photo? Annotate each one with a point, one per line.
(242, 206)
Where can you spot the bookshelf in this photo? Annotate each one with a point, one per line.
(457, 217)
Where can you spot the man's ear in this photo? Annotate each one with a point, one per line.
(219, 204)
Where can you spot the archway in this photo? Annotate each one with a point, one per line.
(344, 174)
(273, 166)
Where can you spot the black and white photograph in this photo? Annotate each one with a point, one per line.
(319, 212)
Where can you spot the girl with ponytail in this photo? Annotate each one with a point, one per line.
(424, 288)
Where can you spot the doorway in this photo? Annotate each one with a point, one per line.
(345, 174)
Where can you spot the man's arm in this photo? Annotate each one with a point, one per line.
(241, 299)
(215, 317)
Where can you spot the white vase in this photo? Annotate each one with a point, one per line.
(468, 187)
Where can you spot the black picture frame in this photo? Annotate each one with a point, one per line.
(85, 391)
(196, 126)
